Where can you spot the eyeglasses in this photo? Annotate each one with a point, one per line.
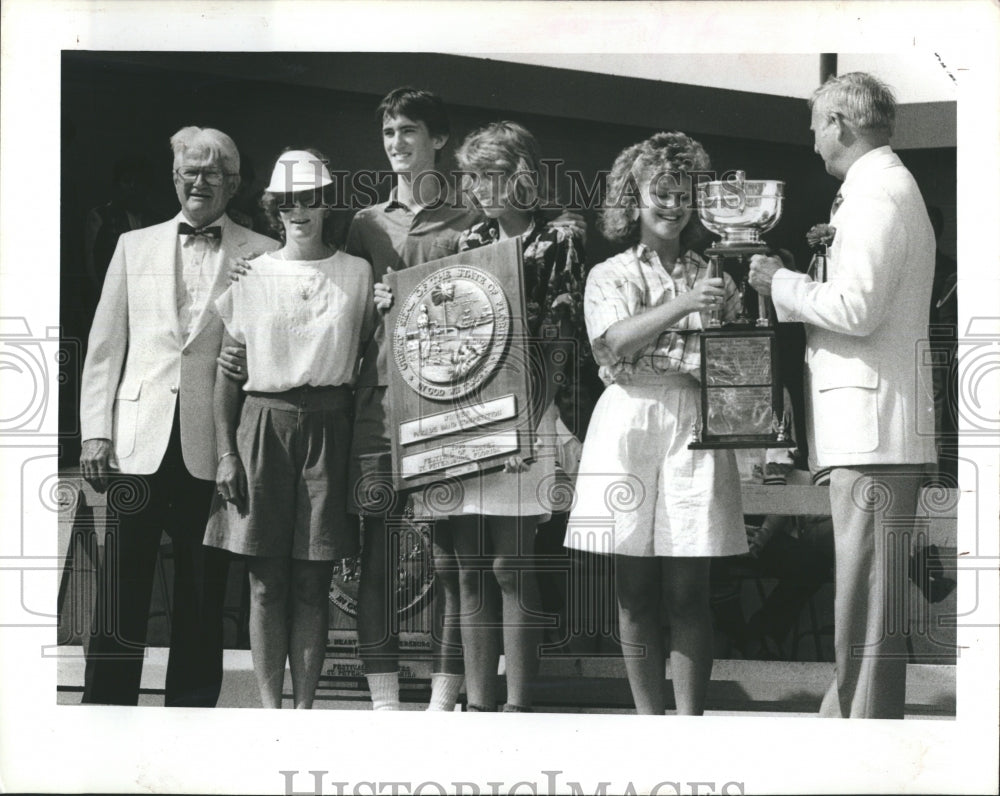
(211, 176)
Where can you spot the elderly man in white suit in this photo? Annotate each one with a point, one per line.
(148, 435)
(868, 390)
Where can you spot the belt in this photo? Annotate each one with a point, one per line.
(306, 398)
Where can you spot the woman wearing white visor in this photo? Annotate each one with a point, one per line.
(301, 312)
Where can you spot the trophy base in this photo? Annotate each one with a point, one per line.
(742, 401)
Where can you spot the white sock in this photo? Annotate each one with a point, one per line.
(444, 690)
(384, 688)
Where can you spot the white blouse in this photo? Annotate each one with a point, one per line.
(302, 321)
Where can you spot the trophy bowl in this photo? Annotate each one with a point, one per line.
(740, 210)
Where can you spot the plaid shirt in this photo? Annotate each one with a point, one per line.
(631, 283)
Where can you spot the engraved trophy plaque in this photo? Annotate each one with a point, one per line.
(459, 366)
(742, 402)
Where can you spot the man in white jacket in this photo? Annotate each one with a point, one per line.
(148, 436)
(869, 393)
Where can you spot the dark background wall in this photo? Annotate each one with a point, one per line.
(118, 104)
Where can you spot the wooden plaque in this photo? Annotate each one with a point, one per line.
(459, 366)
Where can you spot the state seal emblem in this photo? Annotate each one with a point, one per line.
(451, 332)
(459, 366)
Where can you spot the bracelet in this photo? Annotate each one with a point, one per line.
(227, 453)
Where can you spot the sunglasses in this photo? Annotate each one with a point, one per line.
(289, 201)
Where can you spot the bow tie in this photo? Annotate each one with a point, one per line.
(212, 233)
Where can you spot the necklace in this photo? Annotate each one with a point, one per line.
(309, 285)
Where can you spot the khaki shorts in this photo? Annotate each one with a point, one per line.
(294, 446)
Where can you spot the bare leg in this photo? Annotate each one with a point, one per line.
(446, 638)
(637, 585)
(310, 625)
(686, 586)
(480, 611)
(269, 586)
(513, 540)
(378, 633)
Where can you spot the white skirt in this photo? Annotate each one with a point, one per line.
(641, 492)
(533, 493)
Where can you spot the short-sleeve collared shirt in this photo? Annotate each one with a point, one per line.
(631, 283)
(390, 235)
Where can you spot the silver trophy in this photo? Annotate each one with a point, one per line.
(739, 210)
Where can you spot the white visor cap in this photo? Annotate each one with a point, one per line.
(298, 170)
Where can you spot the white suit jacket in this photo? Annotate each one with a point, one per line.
(137, 362)
(868, 385)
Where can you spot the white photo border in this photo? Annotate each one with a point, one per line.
(48, 748)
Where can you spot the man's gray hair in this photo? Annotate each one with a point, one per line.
(863, 99)
(207, 138)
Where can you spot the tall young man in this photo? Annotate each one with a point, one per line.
(420, 222)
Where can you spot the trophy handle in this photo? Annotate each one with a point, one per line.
(714, 272)
(743, 317)
(763, 311)
(821, 265)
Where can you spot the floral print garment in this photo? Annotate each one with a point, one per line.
(553, 276)
(553, 287)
